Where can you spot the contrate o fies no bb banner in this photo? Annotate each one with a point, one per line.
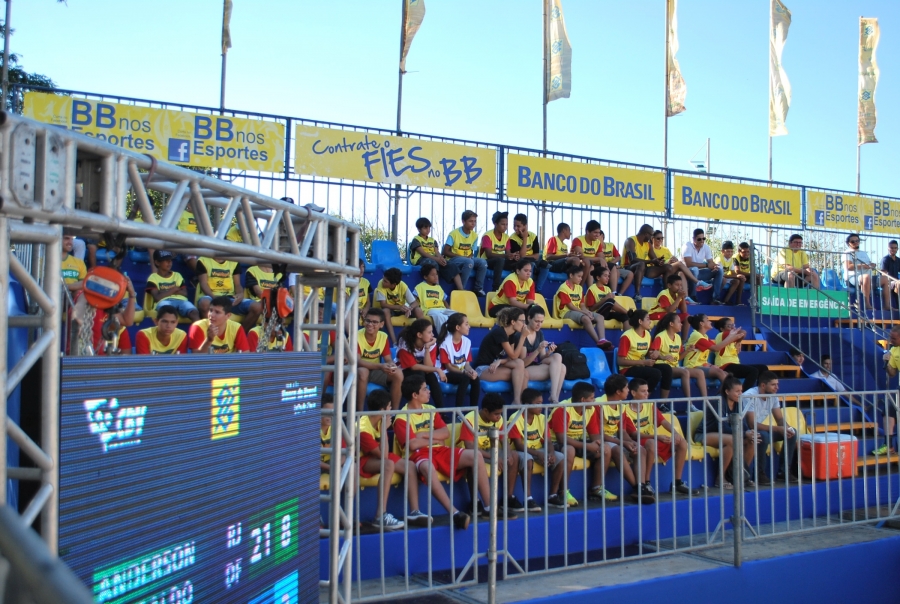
(372, 157)
(181, 137)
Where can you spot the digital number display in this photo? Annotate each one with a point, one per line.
(191, 478)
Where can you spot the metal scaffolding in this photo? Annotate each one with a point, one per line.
(52, 180)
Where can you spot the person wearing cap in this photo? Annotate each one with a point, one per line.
(493, 248)
(461, 250)
(793, 263)
(858, 269)
(167, 288)
(732, 275)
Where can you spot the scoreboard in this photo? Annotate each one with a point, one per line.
(191, 478)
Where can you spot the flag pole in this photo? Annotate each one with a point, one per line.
(226, 18)
(857, 168)
(222, 85)
(6, 31)
(858, 145)
(395, 219)
(546, 68)
(666, 97)
(770, 87)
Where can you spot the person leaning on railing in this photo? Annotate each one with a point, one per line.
(792, 264)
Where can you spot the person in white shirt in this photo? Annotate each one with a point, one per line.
(858, 273)
(760, 402)
(826, 376)
(699, 259)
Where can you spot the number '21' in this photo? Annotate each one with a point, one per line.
(257, 534)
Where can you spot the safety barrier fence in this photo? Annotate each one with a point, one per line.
(429, 177)
(817, 481)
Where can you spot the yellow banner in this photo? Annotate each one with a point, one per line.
(531, 177)
(736, 202)
(181, 137)
(352, 155)
(852, 213)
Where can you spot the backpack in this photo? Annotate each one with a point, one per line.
(574, 360)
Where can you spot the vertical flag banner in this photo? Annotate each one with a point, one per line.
(869, 32)
(415, 14)
(779, 86)
(226, 27)
(677, 91)
(559, 79)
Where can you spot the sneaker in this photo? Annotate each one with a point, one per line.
(482, 511)
(389, 523)
(690, 301)
(648, 495)
(532, 506)
(882, 450)
(601, 494)
(570, 500)
(605, 345)
(461, 521)
(417, 518)
(681, 486)
(514, 505)
(555, 501)
(702, 286)
(637, 301)
(480, 293)
(763, 480)
(725, 485)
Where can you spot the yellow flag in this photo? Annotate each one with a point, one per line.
(677, 89)
(869, 33)
(414, 15)
(779, 86)
(559, 80)
(226, 27)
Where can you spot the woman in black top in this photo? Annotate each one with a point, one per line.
(498, 360)
(542, 362)
(708, 432)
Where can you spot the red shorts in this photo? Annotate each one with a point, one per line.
(441, 458)
(362, 461)
(656, 316)
(663, 450)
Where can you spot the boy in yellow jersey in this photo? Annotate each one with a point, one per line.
(568, 303)
(216, 334)
(640, 258)
(535, 444)
(641, 421)
(422, 432)
(493, 248)
(556, 252)
(325, 434)
(613, 263)
(516, 290)
(260, 278)
(891, 360)
(579, 427)
(526, 244)
(279, 339)
(374, 363)
(431, 297)
(167, 288)
(672, 300)
(666, 256)
(490, 415)
(395, 297)
(587, 248)
(423, 251)
(743, 263)
(600, 299)
(73, 270)
(623, 447)
(730, 268)
(165, 338)
(461, 250)
(792, 265)
(220, 278)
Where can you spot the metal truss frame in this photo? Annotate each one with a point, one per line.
(40, 196)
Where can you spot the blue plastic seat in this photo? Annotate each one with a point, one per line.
(448, 388)
(599, 368)
(370, 268)
(766, 274)
(557, 277)
(385, 255)
(496, 387)
(138, 256)
(543, 386)
(490, 274)
(831, 280)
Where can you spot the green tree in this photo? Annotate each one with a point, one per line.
(18, 76)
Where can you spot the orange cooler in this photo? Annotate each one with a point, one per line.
(828, 455)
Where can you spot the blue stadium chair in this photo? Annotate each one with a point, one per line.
(766, 274)
(138, 256)
(831, 280)
(496, 387)
(543, 386)
(370, 268)
(556, 277)
(490, 275)
(385, 255)
(448, 388)
(599, 368)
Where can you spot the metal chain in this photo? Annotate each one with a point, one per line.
(85, 345)
(269, 329)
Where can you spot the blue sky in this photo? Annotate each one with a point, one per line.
(475, 73)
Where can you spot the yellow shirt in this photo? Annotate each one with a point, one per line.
(561, 247)
(427, 245)
(795, 258)
(325, 438)
(524, 248)
(611, 417)
(481, 427)
(220, 276)
(371, 352)
(533, 430)
(156, 347)
(523, 288)
(575, 293)
(263, 279)
(670, 346)
(430, 296)
(394, 297)
(696, 358)
(588, 248)
(727, 355)
(417, 423)
(644, 419)
(641, 250)
(462, 244)
(365, 427)
(729, 266)
(663, 253)
(658, 307)
(161, 283)
(638, 346)
(498, 244)
(73, 270)
(608, 251)
(221, 344)
(894, 361)
(576, 423)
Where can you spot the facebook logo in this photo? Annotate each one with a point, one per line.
(820, 214)
(868, 223)
(179, 150)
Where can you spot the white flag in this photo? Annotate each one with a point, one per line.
(559, 80)
(415, 14)
(677, 89)
(869, 33)
(779, 86)
(226, 26)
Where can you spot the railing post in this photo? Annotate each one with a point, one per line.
(492, 520)
(737, 477)
(754, 288)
